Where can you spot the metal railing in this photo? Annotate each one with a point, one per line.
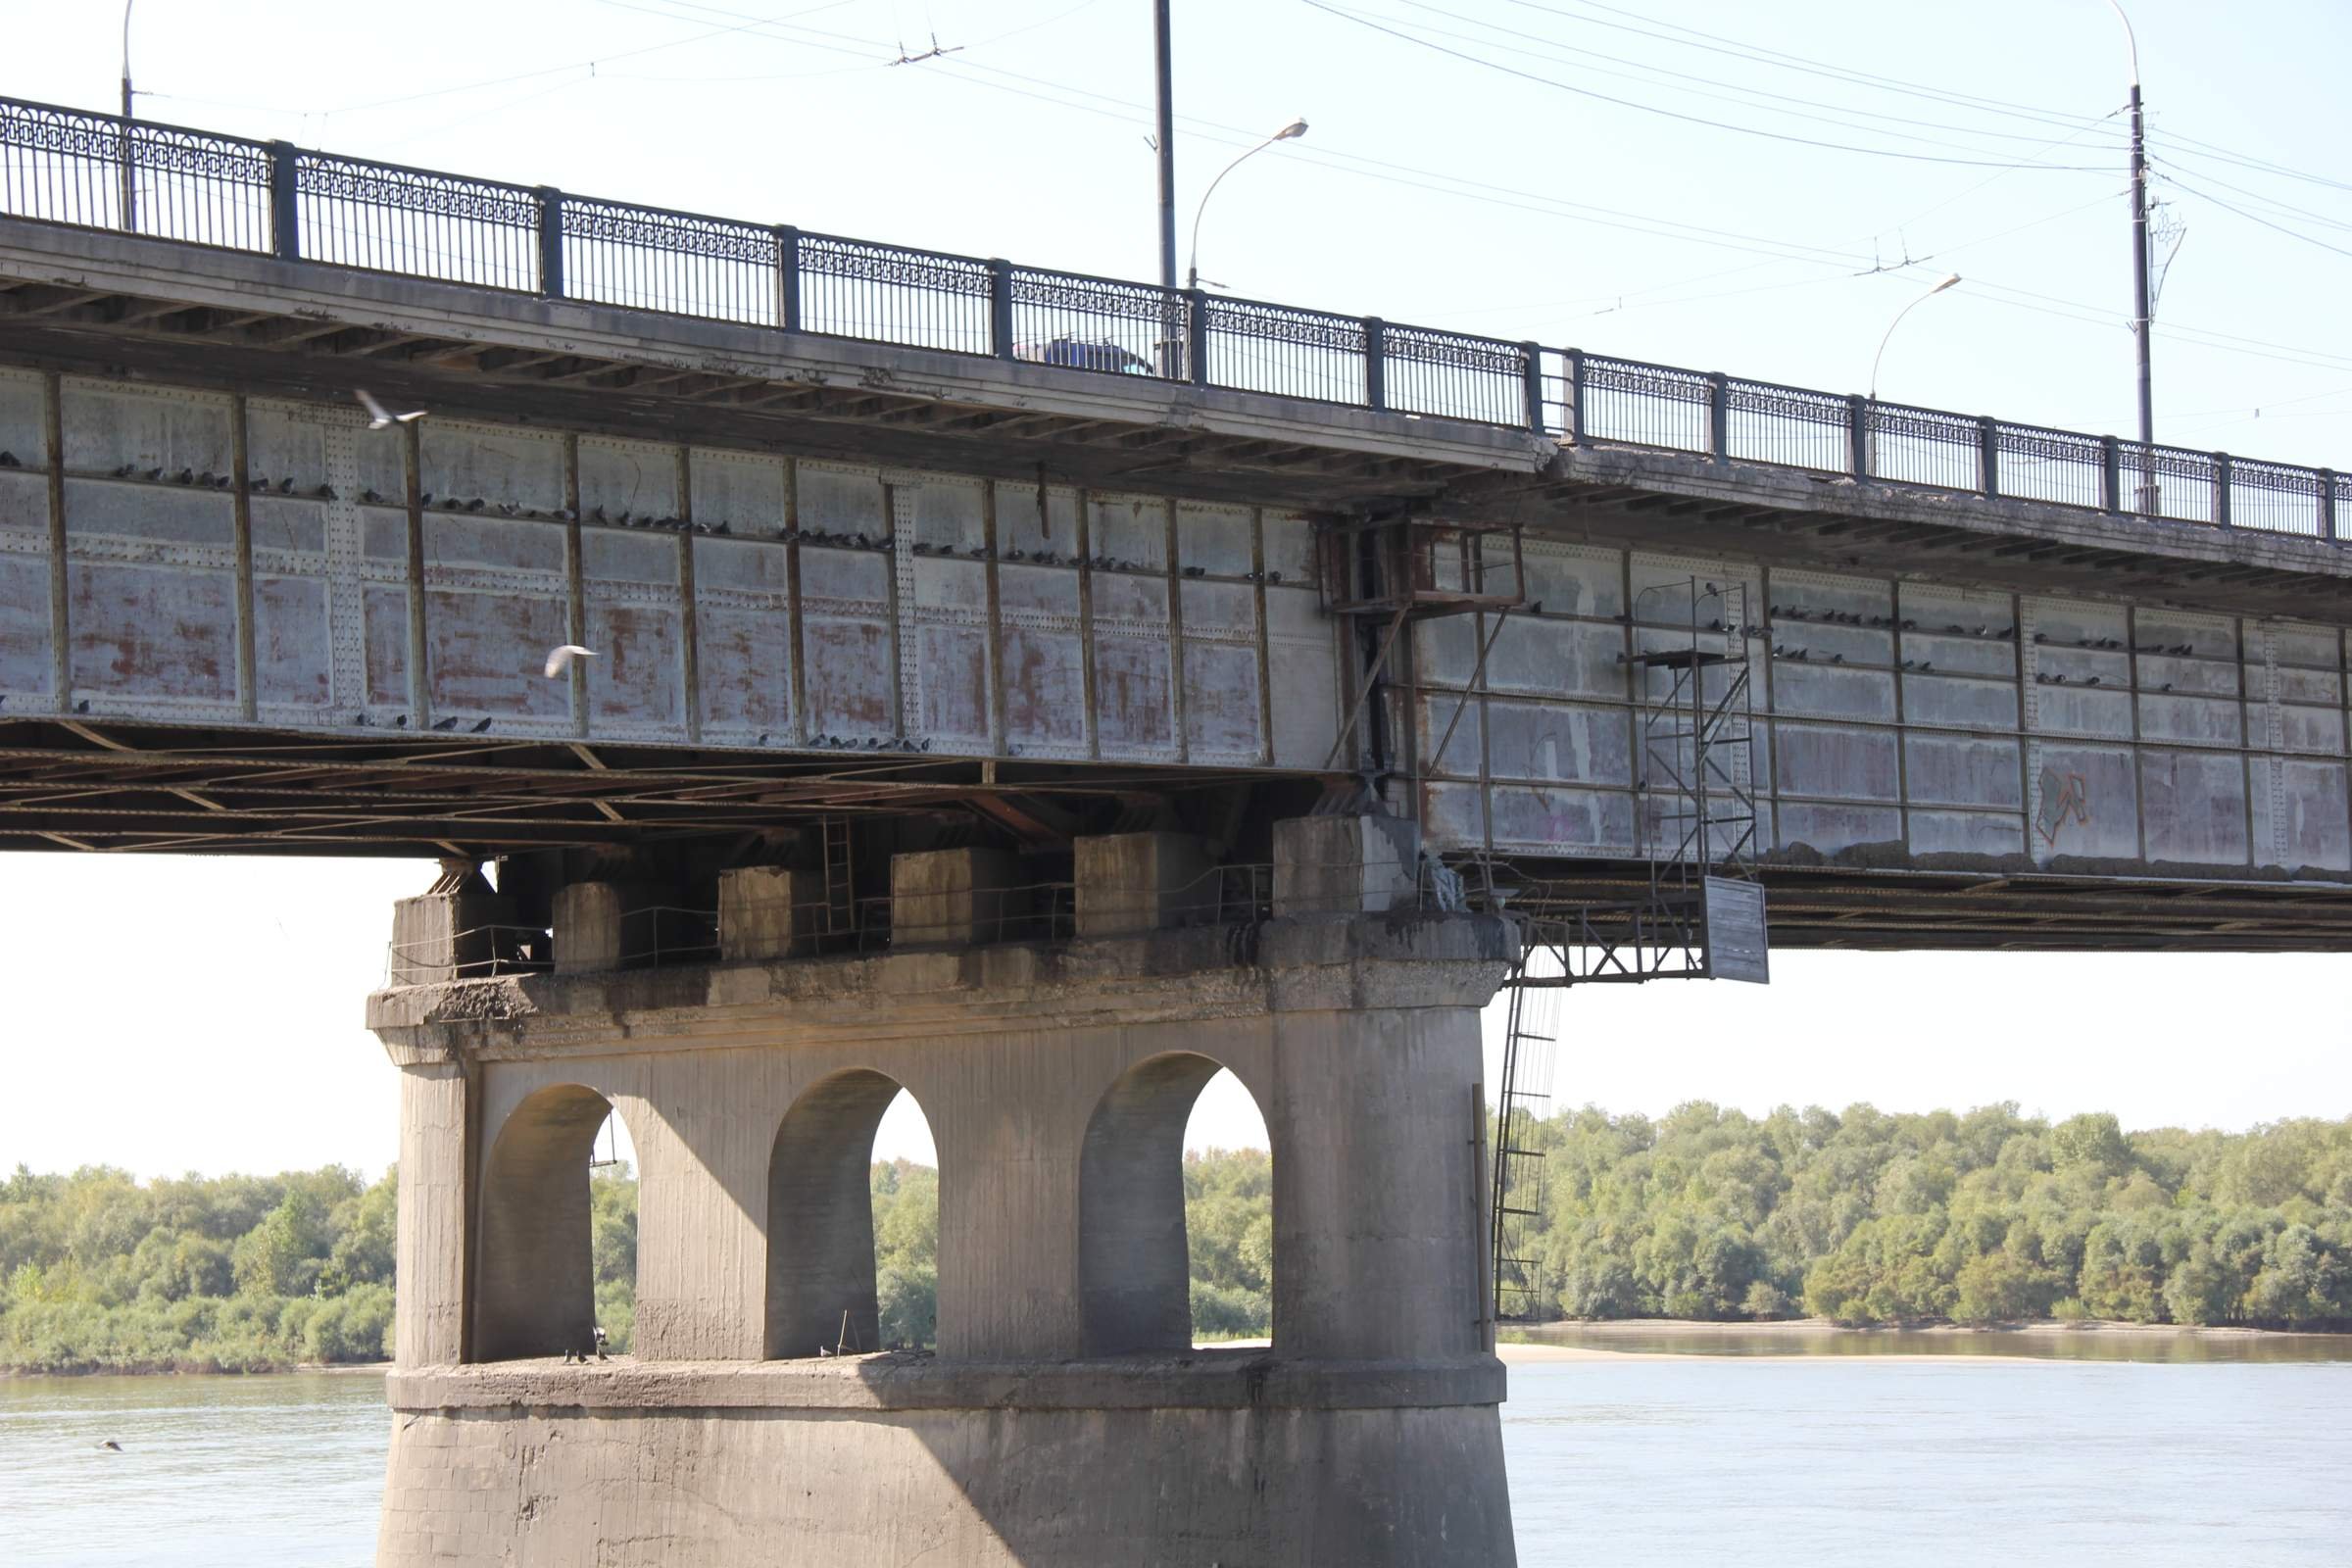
(95, 171)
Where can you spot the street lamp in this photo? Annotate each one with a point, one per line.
(1290, 133)
(1947, 283)
(1869, 413)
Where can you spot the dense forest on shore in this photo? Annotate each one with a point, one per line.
(1990, 1216)
(1859, 1217)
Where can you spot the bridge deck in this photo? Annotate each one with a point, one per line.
(828, 576)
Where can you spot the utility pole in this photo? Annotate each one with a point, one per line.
(130, 183)
(2146, 499)
(1167, 148)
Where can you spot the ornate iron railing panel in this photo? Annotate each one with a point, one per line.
(2166, 482)
(1648, 405)
(1284, 351)
(63, 167)
(393, 220)
(1923, 446)
(1096, 323)
(95, 171)
(2274, 497)
(645, 258)
(1787, 427)
(891, 294)
(1451, 376)
(2033, 463)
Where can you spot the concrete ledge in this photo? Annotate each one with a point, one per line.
(1405, 960)
(1208, 1379)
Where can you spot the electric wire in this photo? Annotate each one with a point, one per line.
(1671, 113)
(2255, 218)
(1717, 44)
(1726, 87)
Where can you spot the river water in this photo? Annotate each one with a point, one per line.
(1913, 1450)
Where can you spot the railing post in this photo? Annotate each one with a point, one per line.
(2220, 488)
(285, 209)
(551, 242)
(1718, 415)
(2111, 474)
(1576, 396)
(1857, 436)
(1000, 308)
(1988, 454)
(1196, 337)
(788, 278)
(2327, 503)
(1530, 367)
(1376, 363)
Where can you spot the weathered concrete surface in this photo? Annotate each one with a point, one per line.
(1259, 1487)
(1133, 882)
(954, 897)
(1063, 1421)
(1345, 866)
(446, 936)
(767, 912)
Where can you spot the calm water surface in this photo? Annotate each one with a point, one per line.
(1836, 1461)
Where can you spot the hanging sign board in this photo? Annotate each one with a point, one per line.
(1737, 949)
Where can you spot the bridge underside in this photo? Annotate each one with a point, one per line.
(1199, 680)
(126, 788)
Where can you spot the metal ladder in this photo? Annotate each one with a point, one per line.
(1695, 817)
(1518, 1173)
(841, 901)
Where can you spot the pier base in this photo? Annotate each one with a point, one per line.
(1064, 1419)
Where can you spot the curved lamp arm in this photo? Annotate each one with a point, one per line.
(2131, 40)
(1192, 271)
(1897, 321)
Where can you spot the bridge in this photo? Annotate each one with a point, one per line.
(1111, 681)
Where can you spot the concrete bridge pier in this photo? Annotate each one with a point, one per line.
(1066, 1420)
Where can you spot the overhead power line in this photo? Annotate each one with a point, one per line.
(2255, 218)
(1717, 44)
(1671, 113)
(2040, 137)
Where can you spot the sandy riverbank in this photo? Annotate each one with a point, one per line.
(1665, 1338)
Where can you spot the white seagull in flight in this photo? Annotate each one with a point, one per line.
(560, 658)
(381, 418)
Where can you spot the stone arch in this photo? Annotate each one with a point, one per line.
(537, 1287)
(1134, 1262)
(820, 1216)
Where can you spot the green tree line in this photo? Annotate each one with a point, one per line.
(1866, 1218)
(101, 1272)
(1859, 1216)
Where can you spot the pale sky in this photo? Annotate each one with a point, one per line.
(176, 1014)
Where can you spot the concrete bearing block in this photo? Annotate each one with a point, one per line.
(438, 937)
(1129, 883)
(765, 912)
(957, 896)
(608, 925)
(1345, 866)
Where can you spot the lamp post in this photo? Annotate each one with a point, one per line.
(1948, 280)
(1870, 434)
(1290, 133)
(2140, 266)
(130, 187)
